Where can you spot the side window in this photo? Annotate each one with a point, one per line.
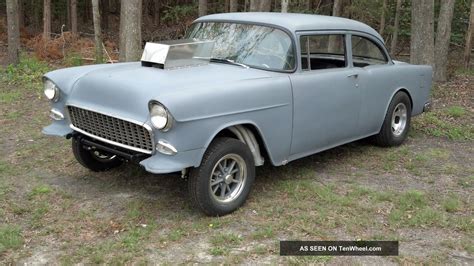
(365, 52)
(323, 51)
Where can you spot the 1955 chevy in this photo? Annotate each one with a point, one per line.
(241, 89)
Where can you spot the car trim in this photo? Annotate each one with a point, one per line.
(145, 125)
(235, 112)
(285, 30)
(109, 141)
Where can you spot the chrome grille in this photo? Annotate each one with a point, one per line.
(131, 135)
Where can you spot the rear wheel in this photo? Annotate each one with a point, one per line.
(397, 122)
(222, 183)
(95, 160)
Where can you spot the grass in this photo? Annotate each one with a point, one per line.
(27, 73)
(10, 237)
(452, 203)
(265, 232)
(466, 182)
(9, 96)
(456, 111)
(446, 122)
(223, 242)
(40, 190)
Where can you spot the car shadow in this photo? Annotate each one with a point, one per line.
(167, 194)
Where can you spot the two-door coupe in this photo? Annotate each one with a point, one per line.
(241, 89)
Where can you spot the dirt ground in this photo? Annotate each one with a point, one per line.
(55, 211)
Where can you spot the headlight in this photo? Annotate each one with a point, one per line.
(159, 116)
(50, 90)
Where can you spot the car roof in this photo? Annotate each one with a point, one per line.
(295, 22)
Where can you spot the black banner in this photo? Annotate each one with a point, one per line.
(338, 248)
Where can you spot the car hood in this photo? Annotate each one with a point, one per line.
(124, 90)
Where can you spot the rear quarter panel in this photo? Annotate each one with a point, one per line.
(380, 83)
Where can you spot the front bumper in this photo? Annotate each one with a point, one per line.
(427, 106)
(156, 163)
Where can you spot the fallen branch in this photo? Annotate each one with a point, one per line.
(93, 59)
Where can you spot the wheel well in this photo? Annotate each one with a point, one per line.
(409, 96)
(226, 132)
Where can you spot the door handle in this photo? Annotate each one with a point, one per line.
(355, 75)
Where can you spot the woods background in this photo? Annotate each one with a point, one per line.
(76, 32)
(54, 211)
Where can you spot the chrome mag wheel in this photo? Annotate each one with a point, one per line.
(399, 119)
(228, 178)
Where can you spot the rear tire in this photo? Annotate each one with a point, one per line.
(396, 123)
(222, 183)
(94, 160)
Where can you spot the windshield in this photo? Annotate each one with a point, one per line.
(252, 45)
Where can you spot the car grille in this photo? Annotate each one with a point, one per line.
(133, 136)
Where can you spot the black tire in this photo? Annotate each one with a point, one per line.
(388, 136)
(199, 181)
(87, 158)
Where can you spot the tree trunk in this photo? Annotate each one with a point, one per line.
(469, 34)
(254, 6)
(156, 12)
(382, 17)
(13, 32)
(104, 7)
(422, 32)
(21, 17)
(337, 8)
(97, 31)
(202, 8)
(130, 30)
(443, 36)
(36, 15)
(265, 5)
(396, 27)
(336, 12)
(46, 19)
(68, 14)
(284, 6)
(234, 6)
(74, 17)
(86, 15)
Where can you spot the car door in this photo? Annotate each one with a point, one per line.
(376, 80)
(326, 96)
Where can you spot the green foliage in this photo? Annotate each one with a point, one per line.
(40, 190)
(452, 204)
(411, 200)
(445, 123)
(223, 242)
(74, 59)
(456, 111)
(460, 21)
(10, 237)
(27, 73)
(9, 96)
(175, 14)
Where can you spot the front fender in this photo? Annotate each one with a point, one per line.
(264, 103)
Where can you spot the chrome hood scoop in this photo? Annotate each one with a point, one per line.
(177, 54)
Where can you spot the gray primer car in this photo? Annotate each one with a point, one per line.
(278, 87)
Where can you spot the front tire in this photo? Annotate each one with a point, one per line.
(222, 183)
(94, 160)
(396, 123)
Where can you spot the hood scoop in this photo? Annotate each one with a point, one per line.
(177, 54)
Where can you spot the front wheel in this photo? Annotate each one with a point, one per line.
(222, 183)
(397, 122)
(95, 160)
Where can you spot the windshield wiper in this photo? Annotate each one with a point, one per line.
(228, 61)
